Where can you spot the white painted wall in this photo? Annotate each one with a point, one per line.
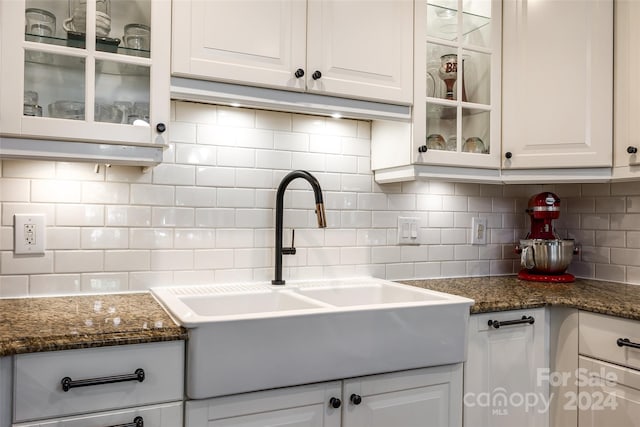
(206, 213)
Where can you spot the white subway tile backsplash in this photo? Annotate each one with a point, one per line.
(55, 191)
(49, 284)
(194, 196)
(172, 260)
(142, 281)
(15, 190)
(196, 154)
(132, 216)
(194, 238)
(236, 157)
(127, 260)
(206, 214)
(14, 286)
(104, 282)
(273, 120)
(104, 238)
(150, 238)
(172, 217)
(213, 259)
(147, 194)
(26, 264)
(79, 261)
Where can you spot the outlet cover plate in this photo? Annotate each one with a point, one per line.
(29, 234)
(479, 231)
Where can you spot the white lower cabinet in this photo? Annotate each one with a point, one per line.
(421, 397)
(609, 363)
(100, 386)
(166, 415)
(5, 391)
(504, 373)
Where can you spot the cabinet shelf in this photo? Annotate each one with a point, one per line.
(442, 22)
(102, 44)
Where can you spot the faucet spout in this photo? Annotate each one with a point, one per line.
(322, 221)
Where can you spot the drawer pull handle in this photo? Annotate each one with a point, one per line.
(137, 422)
(529, 320)
(68, 383)
(626, 342)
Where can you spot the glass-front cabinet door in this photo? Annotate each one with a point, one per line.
(85, 70)
(457, 83)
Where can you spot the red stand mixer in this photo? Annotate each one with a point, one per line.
(544, 257)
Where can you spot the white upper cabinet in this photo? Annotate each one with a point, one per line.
(557, 84)
(626, 159)
(356, 49)
(84, 70)
(456, 115)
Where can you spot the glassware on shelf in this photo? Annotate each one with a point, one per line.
(77, 21)
(137, 36)
(452, 143)
(435, 142)
(31, 107)
(448, 72)
(474, 145)
(40, 22)
(73, 110)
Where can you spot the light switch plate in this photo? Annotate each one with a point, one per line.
(479, 231)
(408, 231)
(28, 234)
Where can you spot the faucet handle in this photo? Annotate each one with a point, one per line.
(292, 249)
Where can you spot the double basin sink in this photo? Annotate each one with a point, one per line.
(246, 337)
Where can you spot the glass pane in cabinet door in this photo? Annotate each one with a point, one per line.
(43, 21)
(122, 93)
(131, 23)
(476, 22)
(476, 72)
(442, 19)
(54, 85)
(441, 128)
(476, 127)
(442, 71)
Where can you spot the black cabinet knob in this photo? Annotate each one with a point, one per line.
(422, 149)
(335, 403)
(161, 127)
(508, 154)
(316, 75)
(355, 399)
(299, 73)
(632, 150)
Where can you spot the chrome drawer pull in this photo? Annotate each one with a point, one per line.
(137, 422)
(68, 383)
(525, 320)
(627, 343)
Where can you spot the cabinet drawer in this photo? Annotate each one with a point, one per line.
(39, 393)
(599, 335)
(166, 415)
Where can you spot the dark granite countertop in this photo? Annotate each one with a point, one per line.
(29, 325)
(509, 293)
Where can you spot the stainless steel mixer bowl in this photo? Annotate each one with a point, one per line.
(546, 256)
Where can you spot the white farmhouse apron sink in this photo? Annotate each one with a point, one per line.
(247, 337)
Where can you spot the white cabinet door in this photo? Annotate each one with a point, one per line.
(55, 88)
(362, 49)
(557, 84)
(503, 367)
(611, 396)
(627, 90)
(303, 406)
(428, 397)
(165, 415)
(258, 42)
(5, 391)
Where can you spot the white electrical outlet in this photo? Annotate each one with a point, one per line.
(408, 231)
(29, 234)
(479, 231)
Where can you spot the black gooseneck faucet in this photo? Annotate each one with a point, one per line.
(322, 222)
